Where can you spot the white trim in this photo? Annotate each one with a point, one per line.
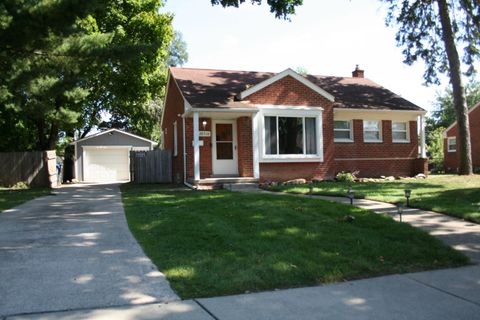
(106, 147)
(220, 109)
(407, 132)
(317, 114)
(380, 131)
(288, 72)
(455, 122)
(378, 110)
(255, 144)
(448, 144)
(341, 140)
(116, 130)
(196, 148)
(287, 107)
(216, 164)
(423, 149)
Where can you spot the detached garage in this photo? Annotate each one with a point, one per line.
(105, 156)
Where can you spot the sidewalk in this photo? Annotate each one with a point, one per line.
(441, 294)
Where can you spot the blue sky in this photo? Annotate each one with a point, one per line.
(325, 37)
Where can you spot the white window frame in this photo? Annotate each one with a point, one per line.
(380, 131)
(448, 144)
(175, 139)
(350, 130)
(407, 132)
(295, 112)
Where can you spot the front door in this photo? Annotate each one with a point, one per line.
(224, 145)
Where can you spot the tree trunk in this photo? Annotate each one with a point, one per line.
(459, 100)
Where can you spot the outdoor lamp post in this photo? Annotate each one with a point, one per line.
(350, 195)
(408, 192)
(400, 210)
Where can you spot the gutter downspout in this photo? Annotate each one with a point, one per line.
(185, 158)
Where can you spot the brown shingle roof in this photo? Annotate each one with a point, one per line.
(207, 88)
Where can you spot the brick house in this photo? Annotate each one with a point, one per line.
(227, 125)
(451, 152)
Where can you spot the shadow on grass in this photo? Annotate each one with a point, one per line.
(217, 243)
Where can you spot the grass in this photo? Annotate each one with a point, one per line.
(212, 243)
(454, 195)
(10, 198)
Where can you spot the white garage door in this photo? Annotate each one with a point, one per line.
(109, 164)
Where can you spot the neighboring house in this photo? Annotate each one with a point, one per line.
(451, 150)
(277, 127)
(105, 156)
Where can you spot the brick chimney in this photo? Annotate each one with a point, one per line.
(358, 73)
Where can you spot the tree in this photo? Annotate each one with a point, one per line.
(443, 114)
(429, 30)
(177, 52)
(64, 63)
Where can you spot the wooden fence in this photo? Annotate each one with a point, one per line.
(36, 168)
(151, 166)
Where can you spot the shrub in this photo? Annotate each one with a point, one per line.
(21, 185)
(345, 177)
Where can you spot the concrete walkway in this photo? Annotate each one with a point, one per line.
(73, 250)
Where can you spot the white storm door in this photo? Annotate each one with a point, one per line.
(106, 164)
(224, 147)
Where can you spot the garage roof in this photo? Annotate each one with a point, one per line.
(115, 130)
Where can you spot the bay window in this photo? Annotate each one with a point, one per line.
(285, 135)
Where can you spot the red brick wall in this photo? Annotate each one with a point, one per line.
(376, 159)
(245, 147)
(206, 150)
(174, 106)
(452, 159)
(289, 91)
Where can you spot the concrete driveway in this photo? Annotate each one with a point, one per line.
(73, 250)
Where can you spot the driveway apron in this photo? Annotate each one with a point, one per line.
(73, 250)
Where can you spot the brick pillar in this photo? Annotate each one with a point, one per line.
(245, 147)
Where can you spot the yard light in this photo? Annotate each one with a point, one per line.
(408, 192)
(350, 195)
(400, 209)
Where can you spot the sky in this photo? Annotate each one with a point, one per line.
(324, 37)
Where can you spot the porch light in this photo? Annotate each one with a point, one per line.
(350, 195)
(408, 192)
(204, 124)
(399, 209)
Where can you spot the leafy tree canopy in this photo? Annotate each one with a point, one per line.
(64, 63)
(178, 54)
(443, 114)
(281, 8)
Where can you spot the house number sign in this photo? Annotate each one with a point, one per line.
(204, 134)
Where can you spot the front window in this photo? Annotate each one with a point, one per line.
(372, 131)
(290, 135)
(452, 144)
(399, 131)
(342, 130)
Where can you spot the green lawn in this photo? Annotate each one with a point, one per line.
(211, 243)
(451, 194)
(10, 198)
